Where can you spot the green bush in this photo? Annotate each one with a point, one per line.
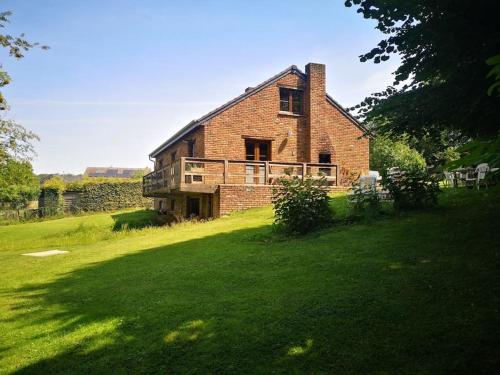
(365, 199)
(386, 153)
(301, 205)
(55, 182)
(412, 189)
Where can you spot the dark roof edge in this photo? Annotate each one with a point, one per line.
(195, 123)
(346, 114)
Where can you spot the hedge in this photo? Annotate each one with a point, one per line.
(107, 196)
(96, 195)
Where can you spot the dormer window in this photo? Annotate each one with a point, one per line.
(291, 100)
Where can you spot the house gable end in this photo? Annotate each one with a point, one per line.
(202, 120)
(342, 110)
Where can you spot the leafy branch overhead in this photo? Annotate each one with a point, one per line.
(494, 73)
(442, 80)
(17, 46)
(15, 140)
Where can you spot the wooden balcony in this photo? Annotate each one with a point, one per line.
(203, 175)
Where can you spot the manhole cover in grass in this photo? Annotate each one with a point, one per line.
(47, 253)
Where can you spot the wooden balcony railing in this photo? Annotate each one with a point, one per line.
(204, 175)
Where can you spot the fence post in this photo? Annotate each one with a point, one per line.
(304, 167)
(266, 173)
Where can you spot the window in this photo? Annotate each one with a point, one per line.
(291, 100)
(172, 205)
(159, 164)
(173, 156)
(190, 149)
(284, 100)
(297, 102)
(160, 205)
(250, 150)
(256, 149)
(263, 151)
(325, 158)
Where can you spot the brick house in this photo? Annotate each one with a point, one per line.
(228, 159)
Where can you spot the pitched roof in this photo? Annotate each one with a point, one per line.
(248, 92)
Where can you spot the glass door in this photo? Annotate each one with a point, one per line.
(256, 150)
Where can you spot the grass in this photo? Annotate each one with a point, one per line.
(412, 293)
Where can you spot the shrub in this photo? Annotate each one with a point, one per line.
(387, 153)
(365, 199)
(55, 182)
(301, 205)
(412, 189)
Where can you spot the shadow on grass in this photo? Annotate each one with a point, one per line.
(135, 220)
(227, 304)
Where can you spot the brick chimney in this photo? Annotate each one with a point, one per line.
(315, 103)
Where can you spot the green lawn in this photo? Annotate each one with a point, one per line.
(413, 293)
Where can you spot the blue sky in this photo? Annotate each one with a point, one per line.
(122, 76)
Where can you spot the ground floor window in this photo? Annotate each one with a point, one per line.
(172, 205)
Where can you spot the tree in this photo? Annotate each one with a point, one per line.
(442, 81)
(495, 74)
(18, 184)
(17, 46)
(15, 140)
(386, 153)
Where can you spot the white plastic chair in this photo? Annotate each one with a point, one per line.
(481, 170)
(375, 174)
(367, 183)
(449, 179)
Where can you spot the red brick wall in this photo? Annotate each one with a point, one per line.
(315, 101)
(350, 150)
(231, 198)
(181, 147)
(322, 125)
(330, 131)
(258, 116)
(237, 197)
